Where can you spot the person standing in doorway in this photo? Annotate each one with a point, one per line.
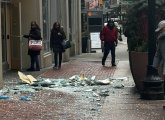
(108, 36)
(56, 38)
(34, 34)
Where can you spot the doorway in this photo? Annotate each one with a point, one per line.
(11, 35)
(16, 36)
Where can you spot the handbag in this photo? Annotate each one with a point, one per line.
(35, 45)
(66, 44)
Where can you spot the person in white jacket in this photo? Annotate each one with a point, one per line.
(159, 58)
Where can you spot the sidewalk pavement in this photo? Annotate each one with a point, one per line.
(123, 104)
(126, 103)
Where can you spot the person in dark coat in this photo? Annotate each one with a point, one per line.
(56, 38)
(34, 34)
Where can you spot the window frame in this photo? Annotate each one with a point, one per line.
(46, 25)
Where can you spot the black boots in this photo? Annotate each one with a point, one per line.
(37, 69)
(113, 64)
(30, 69)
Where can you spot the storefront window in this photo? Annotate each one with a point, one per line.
(45, 11)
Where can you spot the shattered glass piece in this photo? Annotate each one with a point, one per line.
(120, 86)
(4, 91)
(22, 88)
(45, 83)
(98, 104)
(93, 78)
(4, 97)
(83, 83)
(104, 92)
(25, 98)
(38, 88)
(103, 82)
(63, 83)
(48, 80)
(98, 99)
(76, 77)
(89, 90)
(90, 82)
(95, 94)
(120, 78)
(93, 109)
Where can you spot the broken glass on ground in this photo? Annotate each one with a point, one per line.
(31, 85)
(118, 82)
(75, 80)
(4, 97)
(25, 98)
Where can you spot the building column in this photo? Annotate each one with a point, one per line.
(73, 27)
(76, 26)
(79, 26)
(65, 22)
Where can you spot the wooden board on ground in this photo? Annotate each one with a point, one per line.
(26, 78)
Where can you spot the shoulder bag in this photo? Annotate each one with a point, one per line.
(66, 44)
(35, 45)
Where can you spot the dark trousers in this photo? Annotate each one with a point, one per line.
(107, 48)
(34, 61)
(57, 59)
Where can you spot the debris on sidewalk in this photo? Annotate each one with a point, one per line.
(104, 92)
(117, 82)
(4, 97)
(82, 76)
(33, 85)
(118, 86)
(31, 78)
(25, 98)
(95, 94)
(103, 82)
(75, 80)
(26, 78)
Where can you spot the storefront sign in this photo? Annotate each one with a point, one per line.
(95, 40)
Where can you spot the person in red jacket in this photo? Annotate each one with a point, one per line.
(108, 36)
